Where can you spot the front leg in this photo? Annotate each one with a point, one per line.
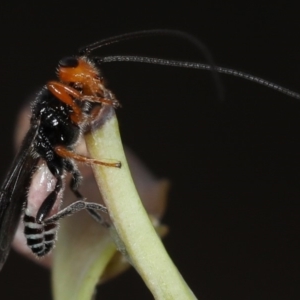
(67, 154)
(67, 94)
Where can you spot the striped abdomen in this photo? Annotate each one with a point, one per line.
(40, 237)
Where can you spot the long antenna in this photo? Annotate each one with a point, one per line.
(85, 51)
(143, 34)
(199, 66)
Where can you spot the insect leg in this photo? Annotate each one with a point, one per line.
(65, 153)
(76, 178)
(74, 185)
(66, 94)
(76, 207)
(114, 102)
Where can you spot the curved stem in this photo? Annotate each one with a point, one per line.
(136, 237)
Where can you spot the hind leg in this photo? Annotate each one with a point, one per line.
(74, 185)
(76, 207)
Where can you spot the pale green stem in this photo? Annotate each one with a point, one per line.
(76, 271)
(139, 241)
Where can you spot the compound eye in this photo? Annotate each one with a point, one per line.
(68, 62)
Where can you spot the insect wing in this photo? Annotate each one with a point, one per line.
(13, 192)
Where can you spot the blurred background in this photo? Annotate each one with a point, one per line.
(234, 166)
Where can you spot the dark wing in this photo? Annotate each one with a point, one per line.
(13, 192)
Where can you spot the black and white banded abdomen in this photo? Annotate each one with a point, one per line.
(40, 236)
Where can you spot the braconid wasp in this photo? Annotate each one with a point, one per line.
(60, 114)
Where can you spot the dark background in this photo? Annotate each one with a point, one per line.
(235, 169)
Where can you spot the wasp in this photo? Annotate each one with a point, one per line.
(60, 114)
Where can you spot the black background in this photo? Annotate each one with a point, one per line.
(235, 169)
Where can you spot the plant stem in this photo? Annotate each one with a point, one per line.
(138, 239)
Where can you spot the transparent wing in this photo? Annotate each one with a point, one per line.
(13, 192)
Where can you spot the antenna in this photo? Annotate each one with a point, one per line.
(199, 66)
(85, 51)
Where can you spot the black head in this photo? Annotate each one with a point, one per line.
(68, 62)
